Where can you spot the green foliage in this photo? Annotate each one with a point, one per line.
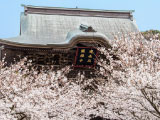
(151, 34)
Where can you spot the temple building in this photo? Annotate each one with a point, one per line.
(65, 36)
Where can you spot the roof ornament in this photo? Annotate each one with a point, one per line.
(85, 28)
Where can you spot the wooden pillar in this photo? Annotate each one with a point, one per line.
(1, 48)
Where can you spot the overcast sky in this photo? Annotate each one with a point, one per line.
(147, 12)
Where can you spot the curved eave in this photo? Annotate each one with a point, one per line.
(16, 44)
(72, 42)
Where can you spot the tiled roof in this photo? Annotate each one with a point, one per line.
(59, 29)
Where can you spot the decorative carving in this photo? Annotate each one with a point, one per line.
(86, 28)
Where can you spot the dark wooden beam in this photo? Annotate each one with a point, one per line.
(78, 12)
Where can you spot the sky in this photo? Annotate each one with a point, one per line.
(147, 12)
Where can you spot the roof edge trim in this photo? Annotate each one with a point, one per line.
(82, 9)
(127, 14)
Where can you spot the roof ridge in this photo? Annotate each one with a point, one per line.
(78, 9)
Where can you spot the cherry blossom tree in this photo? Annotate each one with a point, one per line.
(130, 90)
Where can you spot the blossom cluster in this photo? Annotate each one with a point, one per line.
(130, 90)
